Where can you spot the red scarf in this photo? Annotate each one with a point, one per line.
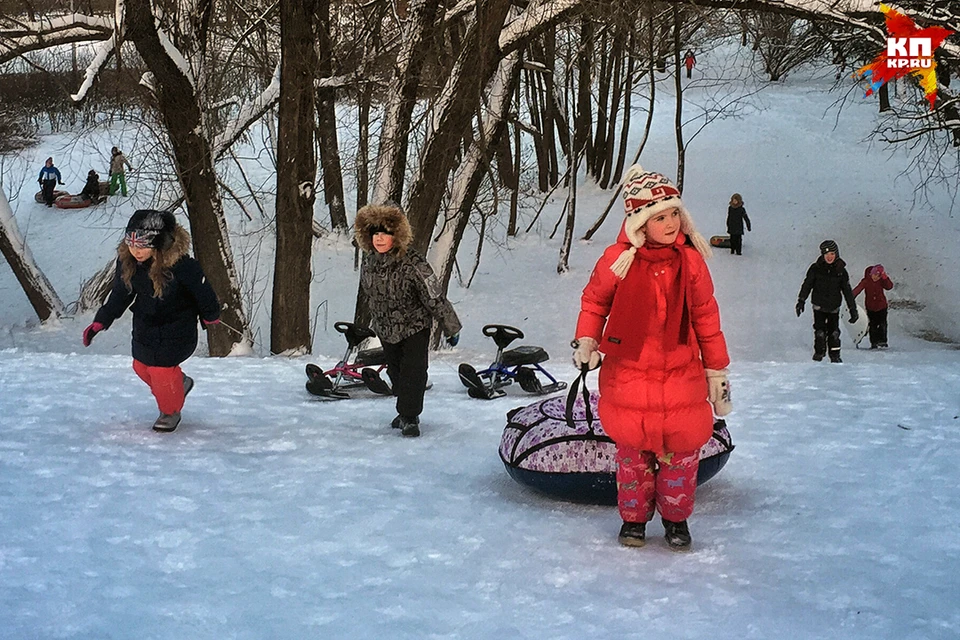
(634, 304)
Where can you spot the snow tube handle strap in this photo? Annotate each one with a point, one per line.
(579, 386)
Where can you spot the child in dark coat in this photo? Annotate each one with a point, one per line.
(169, 292)
(405, 297)
(91, 190)
(736, 219)
(875, 281)
(828, 282)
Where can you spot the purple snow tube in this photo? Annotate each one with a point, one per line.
(557, 447)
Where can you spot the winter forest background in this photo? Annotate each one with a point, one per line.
(266, 126)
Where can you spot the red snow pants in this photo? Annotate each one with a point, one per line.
(647, 483)
(166, 384)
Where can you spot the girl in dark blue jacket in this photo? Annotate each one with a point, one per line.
(169, 293)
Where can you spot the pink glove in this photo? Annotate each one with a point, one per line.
(91, 331)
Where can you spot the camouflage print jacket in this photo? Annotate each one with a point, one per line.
(404, 295)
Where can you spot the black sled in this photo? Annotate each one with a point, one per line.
(520, 365)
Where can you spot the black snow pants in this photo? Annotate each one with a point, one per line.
(407, 369)
(878, 327)
(736, 243)
(48, 187)
(826, 332)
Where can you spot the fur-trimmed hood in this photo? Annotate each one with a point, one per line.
(163, 260)
(389, 217)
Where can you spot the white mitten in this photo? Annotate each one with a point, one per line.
(585, 352)
(718, 391)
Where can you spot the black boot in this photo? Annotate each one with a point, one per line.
(835, 355)
(819, 345)
(396, 422)
(677, 535)
(633, 534)
(410, 427)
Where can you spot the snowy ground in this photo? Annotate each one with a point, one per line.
(270, 514)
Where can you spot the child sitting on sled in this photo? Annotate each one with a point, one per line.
(875, 281)
(649, 307)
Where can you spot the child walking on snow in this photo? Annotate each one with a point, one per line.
(649, 307)
(736, 218)
(405, 298)
(828, 285)
(875, 281)
(168, 292)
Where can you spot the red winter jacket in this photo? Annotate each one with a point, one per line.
(875, 299)
(657, 402)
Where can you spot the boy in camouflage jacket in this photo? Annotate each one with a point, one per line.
(404, 297)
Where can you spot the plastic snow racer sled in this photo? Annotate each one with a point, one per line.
(348, 374)
(520, 364)
(859, 330)
(720, 242)
(558, 447)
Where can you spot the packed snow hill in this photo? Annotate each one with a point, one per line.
(272, 513)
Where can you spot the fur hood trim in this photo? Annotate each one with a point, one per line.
(389, 217)
(163, 261)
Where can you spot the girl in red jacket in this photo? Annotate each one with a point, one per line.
(875, 281)
(649, 308)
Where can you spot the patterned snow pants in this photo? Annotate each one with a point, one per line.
(166, 384)
(647, 483)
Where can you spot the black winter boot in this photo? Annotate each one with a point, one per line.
(819, 345)
(633, 534)
(410, 427)
(677, 535)
(835, 355)
(396, 422)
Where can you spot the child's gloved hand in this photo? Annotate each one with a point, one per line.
(854, 315)
(90, 332)
(585, 353)
(454, 339)
(718, 391)
(800, 305)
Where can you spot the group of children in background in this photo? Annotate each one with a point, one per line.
(828, 284)
(50, 177)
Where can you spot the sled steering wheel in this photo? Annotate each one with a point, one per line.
(502, 334)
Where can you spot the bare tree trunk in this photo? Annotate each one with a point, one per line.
(402, 96)
(469, 175)
(598, 151)
(539, 141)
(884, 95)
(581, 136)
(627, 111)
(515, 193)
(327, 123)
(476, 64)
(182, 116)
(40, 292)
(549, 104)
(296, 176)
(363, 145)
(678, 87)
(573, 160)
(616, 89)
(646, 130)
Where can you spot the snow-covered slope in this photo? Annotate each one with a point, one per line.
(270, 514)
